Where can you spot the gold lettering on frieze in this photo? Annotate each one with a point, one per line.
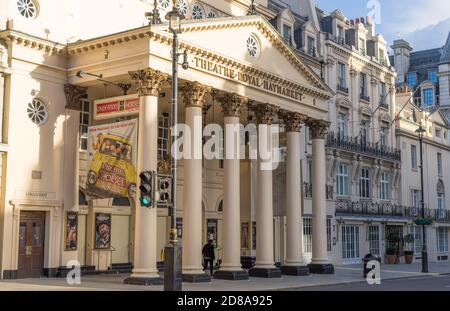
(248, 79)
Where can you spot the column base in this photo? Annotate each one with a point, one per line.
(143, 281)
(231, 275)
(196, 278)
(265, 273)
(321, 268)
(295, 270)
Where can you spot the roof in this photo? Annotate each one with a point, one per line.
(445, 57)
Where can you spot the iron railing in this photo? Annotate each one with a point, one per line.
(356, 145)
(387, 209)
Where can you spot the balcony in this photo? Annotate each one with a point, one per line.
(383, 104)
(342, 88)
(353, 144)
(364, 98)
(369, 208)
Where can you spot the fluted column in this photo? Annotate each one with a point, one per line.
(265, 265)
(319, 260)
(194, 95)
(149, 83)
(294, 264)
(231, 248)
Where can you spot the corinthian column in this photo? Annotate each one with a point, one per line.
(194, 95)
(149, 83)
(319, 261)
(294, 264)
(230, 268)
(265, 265)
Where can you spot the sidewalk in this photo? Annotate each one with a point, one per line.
(111, 282)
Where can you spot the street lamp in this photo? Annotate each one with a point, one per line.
(420, 131)
(172, 251)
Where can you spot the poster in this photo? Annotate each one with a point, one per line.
(112, 160)
(102, 231)
(244, 235)
(71, 231)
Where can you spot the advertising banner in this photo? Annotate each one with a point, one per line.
(112, 160)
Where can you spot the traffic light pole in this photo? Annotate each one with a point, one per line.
(172, 251)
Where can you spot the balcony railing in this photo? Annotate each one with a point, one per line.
(342, 88)
(369, 208)
(383, 103)
(364, 97)
(354, 144)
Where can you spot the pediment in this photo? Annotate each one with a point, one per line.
(233, 37)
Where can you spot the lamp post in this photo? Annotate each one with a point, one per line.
(420, 131)
(172, 251)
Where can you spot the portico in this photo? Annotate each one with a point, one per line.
(297, 97)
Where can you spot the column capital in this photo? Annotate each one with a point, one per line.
(353, 72)
(292, 120)
(74, 95)
(318, 128)
(265, 113)
(149, 81)
(232, 104)
(194, 94)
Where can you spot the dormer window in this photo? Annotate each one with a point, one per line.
(311, 46)
(411, 79)
(428, 97)
(362, 46)
(287, 33)
(432, 76)
(381, 57)
(340, 35)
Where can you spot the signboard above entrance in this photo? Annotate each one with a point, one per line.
(114, 107)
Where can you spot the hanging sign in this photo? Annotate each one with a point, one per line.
(114, 107)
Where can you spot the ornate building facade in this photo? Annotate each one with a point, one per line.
(326, 80)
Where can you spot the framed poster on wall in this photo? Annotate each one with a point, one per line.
(244, 235)
(71, 231)
(102, 231)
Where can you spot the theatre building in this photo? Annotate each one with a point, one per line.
(64, 77)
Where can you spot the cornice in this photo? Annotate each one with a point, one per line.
(36, 43)
(362, 60)
(425, 139)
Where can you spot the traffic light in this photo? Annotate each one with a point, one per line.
(146, 187)
(164, 191)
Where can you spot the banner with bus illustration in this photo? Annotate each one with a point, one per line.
(112, 160)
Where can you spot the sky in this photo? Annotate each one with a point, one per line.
(425, 24)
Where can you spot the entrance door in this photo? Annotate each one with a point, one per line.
(31, 244)
(350, 244)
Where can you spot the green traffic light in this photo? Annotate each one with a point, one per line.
(145, 201)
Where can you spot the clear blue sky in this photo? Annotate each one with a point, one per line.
(424, 23)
